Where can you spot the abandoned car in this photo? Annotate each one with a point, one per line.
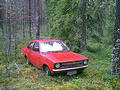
(53, 56)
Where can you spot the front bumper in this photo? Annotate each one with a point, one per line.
(66, 69)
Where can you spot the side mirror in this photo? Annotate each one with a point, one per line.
(36, 49)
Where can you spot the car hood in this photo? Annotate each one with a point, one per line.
(60, 57)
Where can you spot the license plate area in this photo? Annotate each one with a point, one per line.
(72, 72)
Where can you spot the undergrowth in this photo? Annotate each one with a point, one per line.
(96, 77)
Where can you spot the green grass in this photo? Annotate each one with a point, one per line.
(96, 77)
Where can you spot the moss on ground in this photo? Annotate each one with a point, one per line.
(95, 77)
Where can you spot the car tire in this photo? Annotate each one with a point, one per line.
(47, 70)
(27, 61)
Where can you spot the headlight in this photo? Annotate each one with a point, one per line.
(85, 62)
(57, 65)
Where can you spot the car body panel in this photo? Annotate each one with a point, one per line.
(61, 57)
(50, 59)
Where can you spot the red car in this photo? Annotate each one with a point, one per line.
(53, 56)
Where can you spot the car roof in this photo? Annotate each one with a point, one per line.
(45, 40)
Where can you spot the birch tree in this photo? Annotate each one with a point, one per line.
(116, 50)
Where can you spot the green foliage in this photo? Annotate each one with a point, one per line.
(109, 26)
(93, 46)
(65, 21)
(1, 54)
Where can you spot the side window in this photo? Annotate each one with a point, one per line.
(30, 45)
(36, 47)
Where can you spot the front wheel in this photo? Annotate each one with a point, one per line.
(27, 61)
(47, 70)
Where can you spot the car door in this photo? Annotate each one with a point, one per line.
(35, 54)
(29, 50)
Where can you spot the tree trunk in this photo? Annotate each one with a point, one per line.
(116, 50)
(2, 25)
(39, 20)
(2, 17)
(23, 21)
(83, 35)
(30, 33)
(8, 49)
(107, 8)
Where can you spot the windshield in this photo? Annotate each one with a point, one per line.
(53, 46)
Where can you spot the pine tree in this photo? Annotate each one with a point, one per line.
(39, 21)
(84, 26)
(30, 21)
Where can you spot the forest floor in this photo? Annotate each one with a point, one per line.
(28, 77)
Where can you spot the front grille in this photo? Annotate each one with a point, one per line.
(73, 64)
